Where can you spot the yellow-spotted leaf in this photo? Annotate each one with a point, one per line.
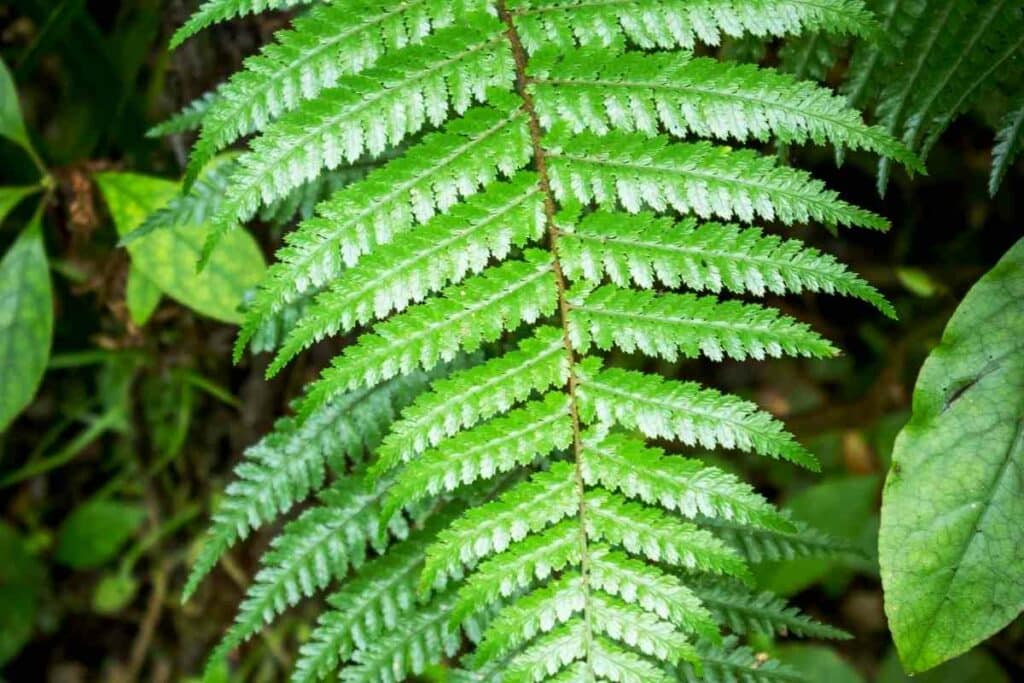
(141, 295)
(168, 258)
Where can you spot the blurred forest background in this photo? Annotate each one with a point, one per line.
(107, 480)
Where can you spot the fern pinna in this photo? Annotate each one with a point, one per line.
(553, 171)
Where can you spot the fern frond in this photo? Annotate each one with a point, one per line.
(215, 11)
(536, 557)
(383, 592)
(638, 628)
(614, 663)
(423, 638)
(188, 118)
(811, 56)
(445, 250)
(643, 250)
(733, 663)
(549, 654)
(332, 40)
(744, 611)
(289, 463)
(561, 548)
(683, 411)
(1009, 141)
(762, 544)
(954, 47)
(625, 464)
(467, 397)
(535, 613)
(596, 91)
(320, 545)
(652, 589)
(366, 113)
(677, 23)
(464, 317)
(866, 75)
(195, 207)
(708, 180)
(515, 439)
(670, 325)
(644, 532)
(430, 177)
(526, 508)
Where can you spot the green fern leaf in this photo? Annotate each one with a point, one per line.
(366, 113)
(670, 325)
(597, 91)
(216, 11)
(320, 545)
(332, 40)
(561, 548)
(683, 411)
(467, 315)
(677, 23)
(637, 172)
(743, 611)
(624, 464)
(515, 439)
(430, 177)
(643, 250)
(1009, 141)
(467, 397)
(287, 465)
(526, 508)
(420, 262)
(643, 532)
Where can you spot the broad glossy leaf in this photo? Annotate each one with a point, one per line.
(11, 196)
(26, 322)
(141, 295)
(12, 126)
(94, 532)
(953, 508)
(168, 258)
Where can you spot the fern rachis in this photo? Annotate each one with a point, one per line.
(503, 252)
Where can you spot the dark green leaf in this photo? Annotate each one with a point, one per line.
(94, 532)
(21, 579)
(26, 322)
(10, 197)
(12, 126)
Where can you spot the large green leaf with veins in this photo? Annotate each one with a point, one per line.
(952, 531)
(26, 321)
(167, 258)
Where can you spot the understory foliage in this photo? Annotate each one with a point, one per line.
(931, 61)
(560, 178)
